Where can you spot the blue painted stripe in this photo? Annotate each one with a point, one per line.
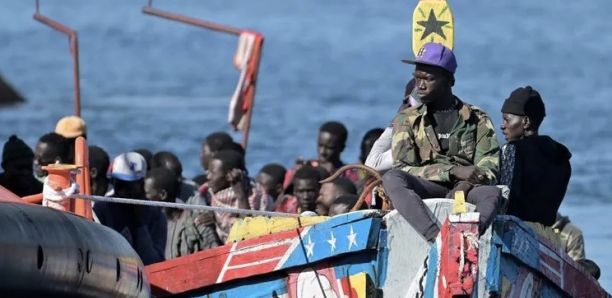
(432, 272)
(493, 274)
(319, 242)
(272, 285)
(356, 263)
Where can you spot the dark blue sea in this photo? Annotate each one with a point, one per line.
(148, 82)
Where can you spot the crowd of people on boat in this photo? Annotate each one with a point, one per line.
(435, 146)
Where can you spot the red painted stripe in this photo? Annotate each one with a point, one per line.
(551, 261)
(258, 255)
(202, 268)
(231, 274)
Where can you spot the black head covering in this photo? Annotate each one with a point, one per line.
(525, 102)
(16, 150)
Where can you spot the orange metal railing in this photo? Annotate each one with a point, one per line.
(253, 64)
(73, 44)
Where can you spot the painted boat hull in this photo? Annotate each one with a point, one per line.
(368, 254)
(50, 253)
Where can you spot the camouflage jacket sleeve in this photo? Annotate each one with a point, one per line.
(405, 155)
(487, 148)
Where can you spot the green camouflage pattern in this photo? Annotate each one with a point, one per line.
(472, 141)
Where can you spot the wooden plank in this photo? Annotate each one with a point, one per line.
(519, 281)
(538, 253)
(432, 21)
(262, 255)
(253, 227)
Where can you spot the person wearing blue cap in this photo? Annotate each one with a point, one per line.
(441, 146)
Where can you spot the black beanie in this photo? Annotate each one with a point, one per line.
(16, 149)
(525, 102)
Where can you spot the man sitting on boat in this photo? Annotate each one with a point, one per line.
(18, 175)
(536, 168)
(51, 148)
(305, 187)
(144, 227)
(441, 146)
(170, 161)
(330, 191)
(230, 187)
(184, 236)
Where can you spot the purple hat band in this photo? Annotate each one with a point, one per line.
(435, 54)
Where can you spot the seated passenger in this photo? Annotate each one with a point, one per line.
(51, 148)
(271, 177)
(571, 237)
(536, 168)
(187, 188)
(144, 227)
(441, 146)
(344, 204)
(184, 236)
(380, 157)
(229, 186)
(330, 191)
(305, 188)
(18, 175)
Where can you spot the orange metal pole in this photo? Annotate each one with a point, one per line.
(250, 96)
(74, 52)
(253, 64)
(81, 159)
(188, 20)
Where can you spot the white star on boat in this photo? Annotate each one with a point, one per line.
(332, 242)
(309, 247)
(352, 237)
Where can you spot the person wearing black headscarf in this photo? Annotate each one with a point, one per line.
(17, 162)
(535, 167)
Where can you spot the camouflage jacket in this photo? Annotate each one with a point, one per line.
(472, 141)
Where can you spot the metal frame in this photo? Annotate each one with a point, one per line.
(73, 44)
(253, 64)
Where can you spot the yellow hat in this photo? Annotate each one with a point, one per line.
(71, 127)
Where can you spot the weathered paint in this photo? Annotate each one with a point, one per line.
(458, 268)
(407, 248)
(266, 254)
(432, 21)
(271, 286)
(253, 227)
(353, 255)
(536, 252)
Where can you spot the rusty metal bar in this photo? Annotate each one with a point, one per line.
(253, 65)
(73, 43)
(188, 20)
(251, 92)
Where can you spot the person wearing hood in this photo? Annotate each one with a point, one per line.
(535, 167)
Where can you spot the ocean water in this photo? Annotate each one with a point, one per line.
(148, 82)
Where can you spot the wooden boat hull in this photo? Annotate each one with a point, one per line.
(50, 253)
(366, 254)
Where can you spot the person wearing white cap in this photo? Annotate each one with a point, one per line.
(144, 227)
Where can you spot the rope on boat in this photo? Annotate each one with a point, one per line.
(58, 198)
(182, 206)
(472, 241)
